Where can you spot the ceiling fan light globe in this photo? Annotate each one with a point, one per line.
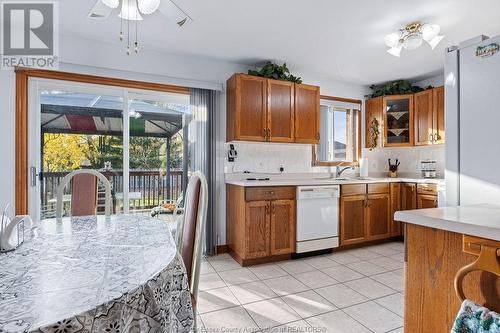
(392, 40)
(412, 42)
(435, 41)
(111, 3)
(430, 31)
(395, 51)
(130, 11)
(147, 7)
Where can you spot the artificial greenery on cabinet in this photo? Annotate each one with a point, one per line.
(274, 71)
(400, 87)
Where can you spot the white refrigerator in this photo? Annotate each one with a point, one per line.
(472, 123)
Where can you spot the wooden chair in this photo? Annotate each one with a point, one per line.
(191, 231)
(472, 316)
(83, 193)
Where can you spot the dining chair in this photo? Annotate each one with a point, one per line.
(191, 231)
(83, 193)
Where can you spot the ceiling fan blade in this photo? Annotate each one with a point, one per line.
(171, 11)
(100, 11)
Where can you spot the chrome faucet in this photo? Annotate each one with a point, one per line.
(339, 170)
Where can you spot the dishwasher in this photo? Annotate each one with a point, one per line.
(317, 218)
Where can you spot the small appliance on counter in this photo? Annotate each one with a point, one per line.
(393, 168)
(428, 169)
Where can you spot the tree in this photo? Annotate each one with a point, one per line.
(63, 152)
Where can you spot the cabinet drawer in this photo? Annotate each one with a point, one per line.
(269, 193)
(353, 189)
(378, 188)
(430, 189)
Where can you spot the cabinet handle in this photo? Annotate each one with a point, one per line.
(318, 136)
(430, 138)
(265, 133)
(274, 210)
(436, 137)
(269, 133)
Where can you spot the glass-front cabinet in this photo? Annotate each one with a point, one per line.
(398, 121)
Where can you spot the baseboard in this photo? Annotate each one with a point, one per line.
(222, 249)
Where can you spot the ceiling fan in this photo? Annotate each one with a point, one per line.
(133, 11)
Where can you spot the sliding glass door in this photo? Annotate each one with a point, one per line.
(135, 138)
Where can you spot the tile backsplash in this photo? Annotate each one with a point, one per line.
(297, 158)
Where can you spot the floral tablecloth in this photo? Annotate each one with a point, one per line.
(89, 274)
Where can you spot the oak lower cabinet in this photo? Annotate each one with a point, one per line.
(408, 196)
(426, 196)
(396, 227)
(364, 213)
(352, 219)
(260, 223)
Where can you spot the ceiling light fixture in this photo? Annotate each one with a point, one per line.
(131, 10)
(412, 36)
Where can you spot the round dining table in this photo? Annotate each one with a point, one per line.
(95, 274)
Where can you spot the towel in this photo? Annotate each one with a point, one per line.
(474, 318)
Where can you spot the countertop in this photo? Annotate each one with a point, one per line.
(475, 220)
(328, 181)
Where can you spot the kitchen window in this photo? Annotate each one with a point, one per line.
(340, 128)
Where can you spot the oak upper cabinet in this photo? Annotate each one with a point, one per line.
(429, 117)
(260, 109)
(281, 111)
(257, 229)
(373, 110)
(307, 114)
(423, 118)
(438, 115)
(398, 121)
(282, 227)
(247, 108)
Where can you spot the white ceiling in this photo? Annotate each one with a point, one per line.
(333, 38)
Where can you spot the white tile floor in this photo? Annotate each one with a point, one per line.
(352, 291)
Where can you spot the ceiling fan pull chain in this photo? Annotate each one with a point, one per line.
(128, 27)
(136, 48)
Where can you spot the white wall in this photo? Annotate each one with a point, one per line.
(7, 146)
(434, 81)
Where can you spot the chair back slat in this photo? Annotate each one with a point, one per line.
(84, 195)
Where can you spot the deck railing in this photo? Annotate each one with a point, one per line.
(150, 185)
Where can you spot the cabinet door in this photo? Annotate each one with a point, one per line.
(257, 231)
(438, 121)
(408, 196)
(424, 117)
(306, 114)
(373, 110)
(378, 216)
(282, 227)
(395, 206)
(398, 121)
(251, 108)
(280, 110)
(426, 201)
(352, 219)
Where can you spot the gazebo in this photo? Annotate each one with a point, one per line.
(90, 114)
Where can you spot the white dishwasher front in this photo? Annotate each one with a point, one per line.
(317, 218)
